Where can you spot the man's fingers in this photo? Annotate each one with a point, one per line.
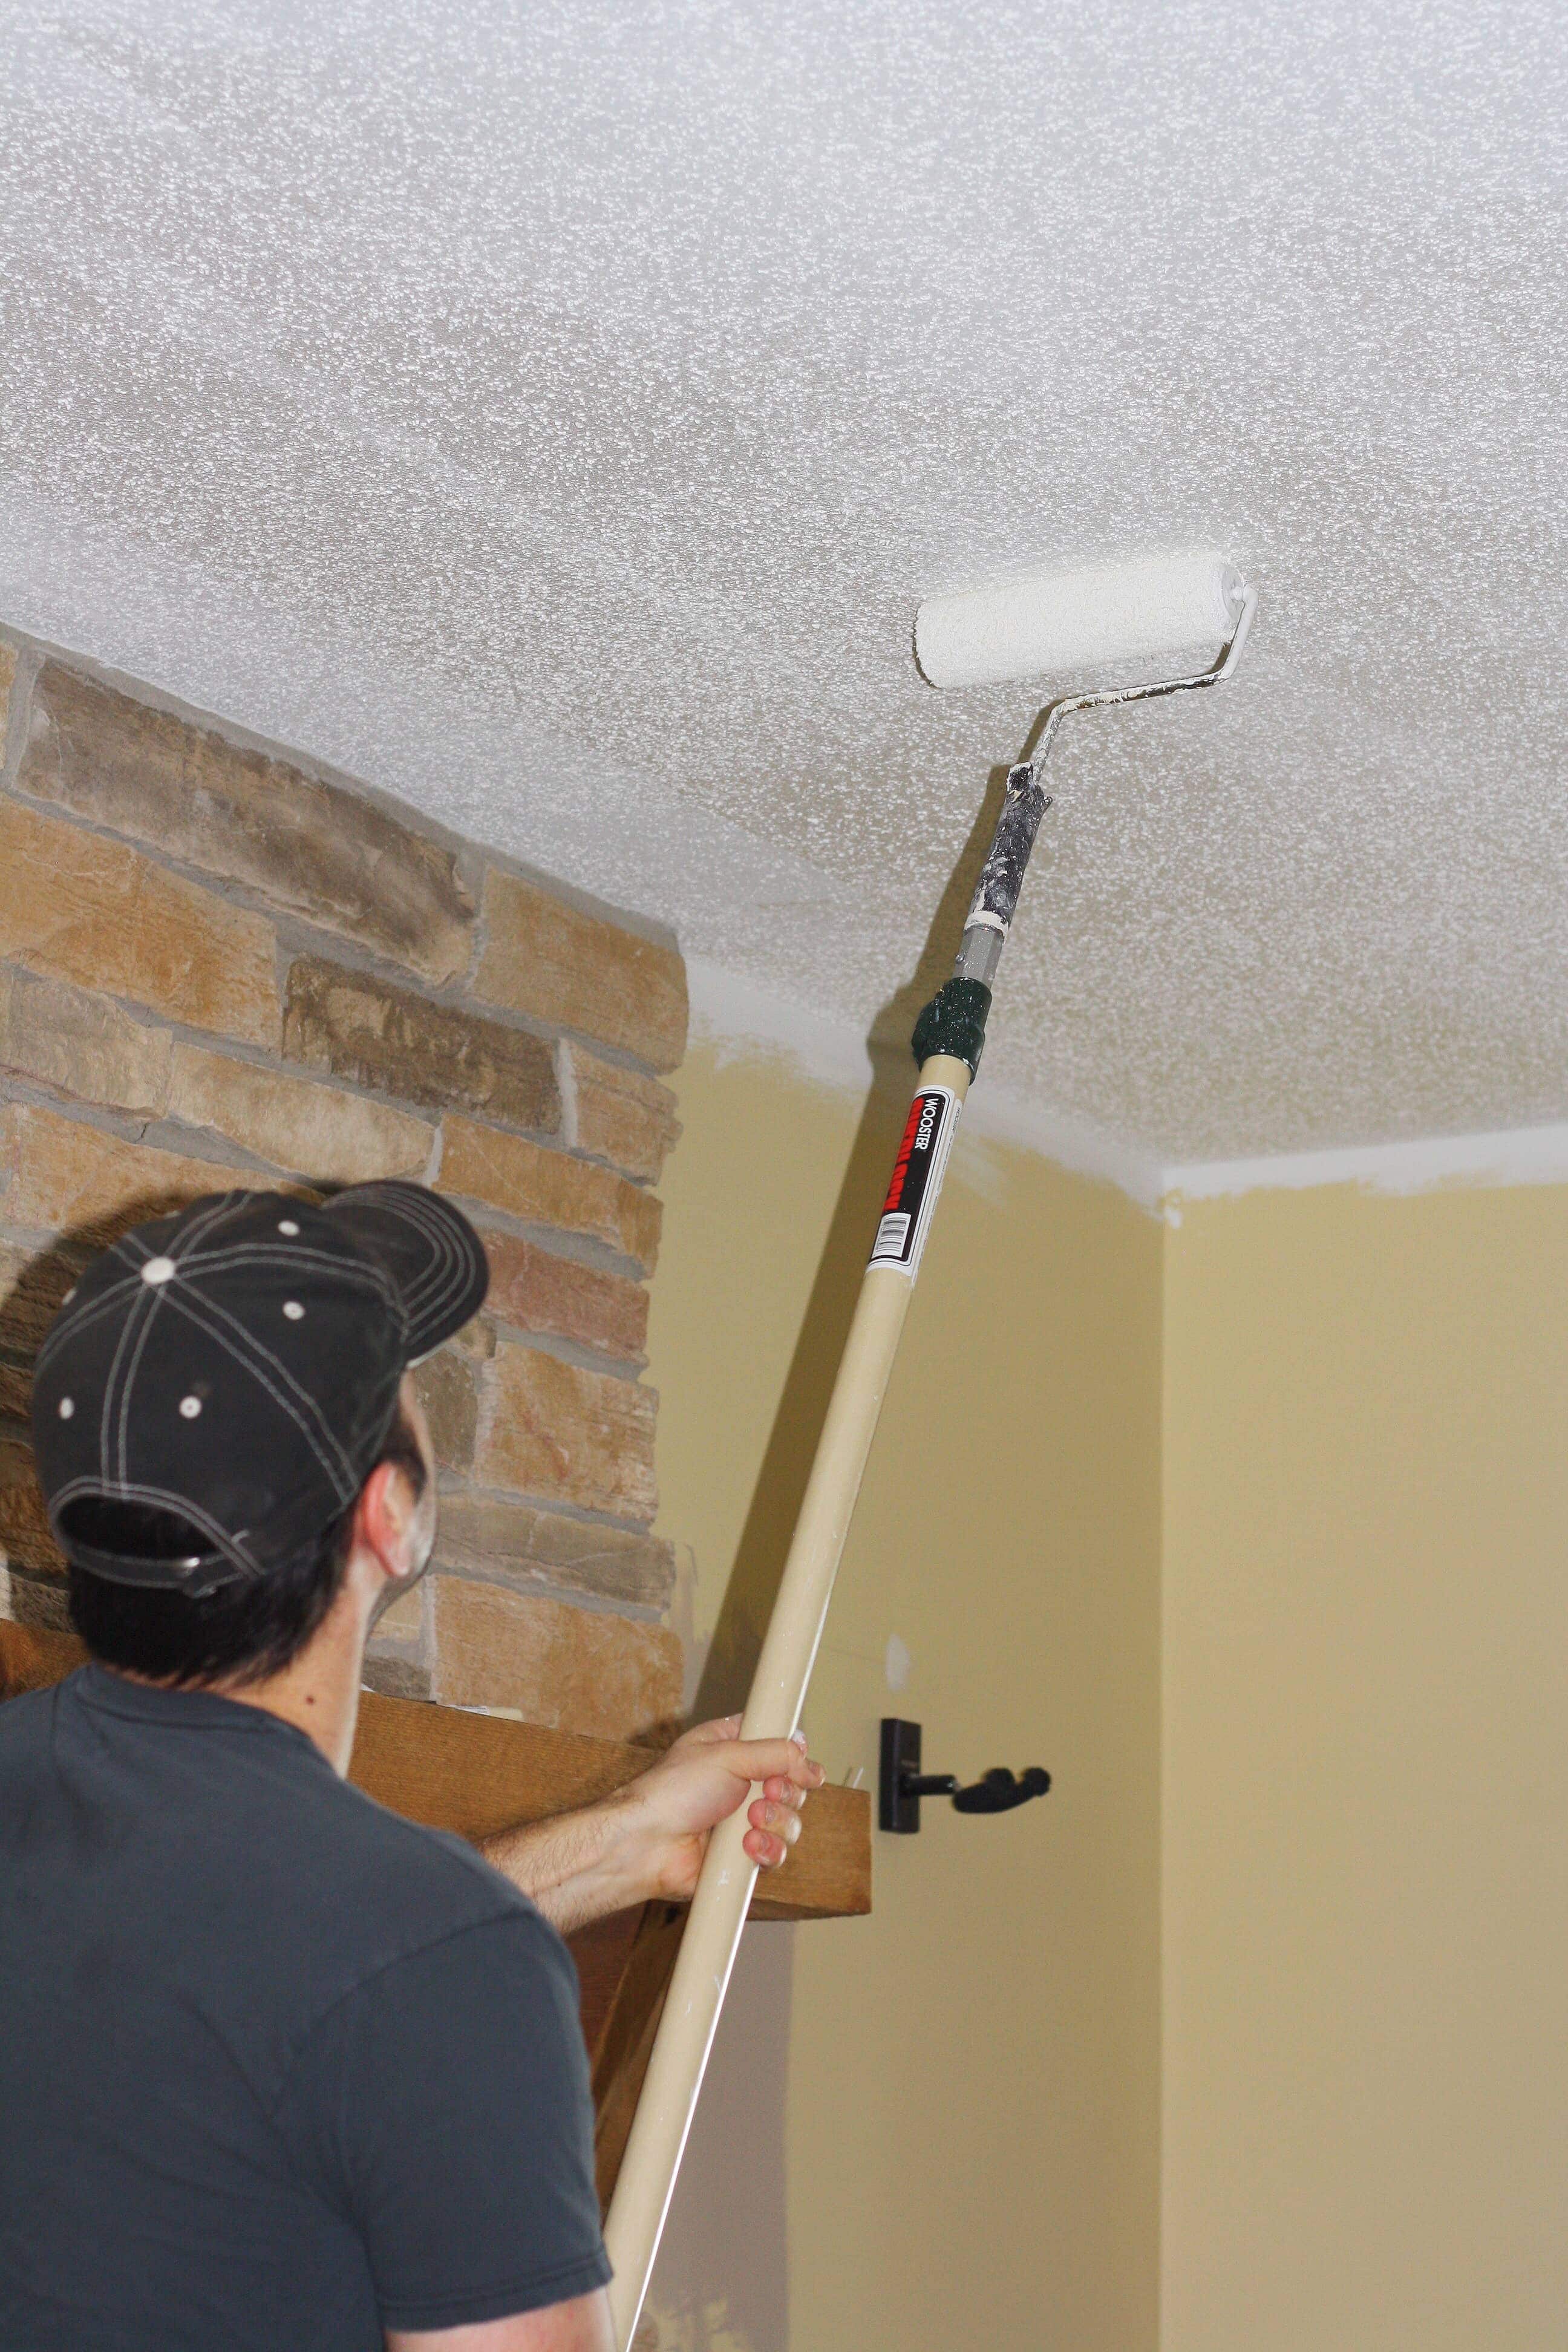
(781, 1821)
(774, 1828)
(774, 1759)
(769, 1852)
(784, 1761)
(722, 1728)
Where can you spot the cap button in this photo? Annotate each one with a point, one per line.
(158, 1269)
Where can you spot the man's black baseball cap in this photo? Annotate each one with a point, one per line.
(236, 1366)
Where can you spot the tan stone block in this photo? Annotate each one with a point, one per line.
(83, 1044)
(495, 1536)
(405, 1621)
(373, 1034)
(87, 910)
(25, 1534)
(312, 849)
(40, 1602)
(563, 1435)
(396, 1677)
(448, 1391)
(331, 1137)
(540, 1292)
(476, 1339)
(548, 1188)
(621, 1115)
(33, 1285)
(58, 1174)
(572, 1669)
(545, 958)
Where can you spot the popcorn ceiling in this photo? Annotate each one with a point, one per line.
(554, 415)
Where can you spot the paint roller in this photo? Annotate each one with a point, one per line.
(1046, 621)
(1032, 624)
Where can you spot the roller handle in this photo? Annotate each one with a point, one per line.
(995, 898)
(955, 1021)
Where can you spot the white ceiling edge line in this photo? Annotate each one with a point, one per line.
(738, 1016)
(735, 1014)
(1511, 1156)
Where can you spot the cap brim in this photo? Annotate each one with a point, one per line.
(433, 1256)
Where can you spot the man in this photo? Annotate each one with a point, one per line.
(277, 2070)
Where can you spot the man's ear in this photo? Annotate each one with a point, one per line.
(384, 1516)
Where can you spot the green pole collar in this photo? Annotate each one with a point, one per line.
(954, 1022)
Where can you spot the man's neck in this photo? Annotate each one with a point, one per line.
(318, 1691)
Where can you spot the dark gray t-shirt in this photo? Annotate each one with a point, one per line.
(277, 2070)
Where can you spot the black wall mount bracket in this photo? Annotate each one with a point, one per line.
(901, 1784)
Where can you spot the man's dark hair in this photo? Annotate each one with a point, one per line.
(239, 1635)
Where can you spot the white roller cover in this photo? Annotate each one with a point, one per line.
(1047, 620)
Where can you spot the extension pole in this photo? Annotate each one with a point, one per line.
(1163, 601)
(947, 1043)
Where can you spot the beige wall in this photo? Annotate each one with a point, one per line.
(960, 2147)
(1267, 1996)
(1366, 1773)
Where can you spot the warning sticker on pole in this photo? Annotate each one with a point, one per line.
(917, 1180)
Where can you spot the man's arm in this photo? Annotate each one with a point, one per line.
(647, 1842)
(581, 2326)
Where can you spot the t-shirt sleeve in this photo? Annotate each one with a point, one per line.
(444, 2107)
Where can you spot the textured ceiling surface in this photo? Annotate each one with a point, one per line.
(555, 412)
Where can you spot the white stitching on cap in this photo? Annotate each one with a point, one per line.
(67, 1407)
(189, 1407)
(360, 1271)
(435, 1286)
(158, 1269)
(428, 1221)
(294, 1311)
(287, 1225)
(140, 1306)
(132, 1370)
(252, 1355)
(357, 1270)
(343, 1478)
(132, 1250)
(228, 1204)
(64, 1324)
